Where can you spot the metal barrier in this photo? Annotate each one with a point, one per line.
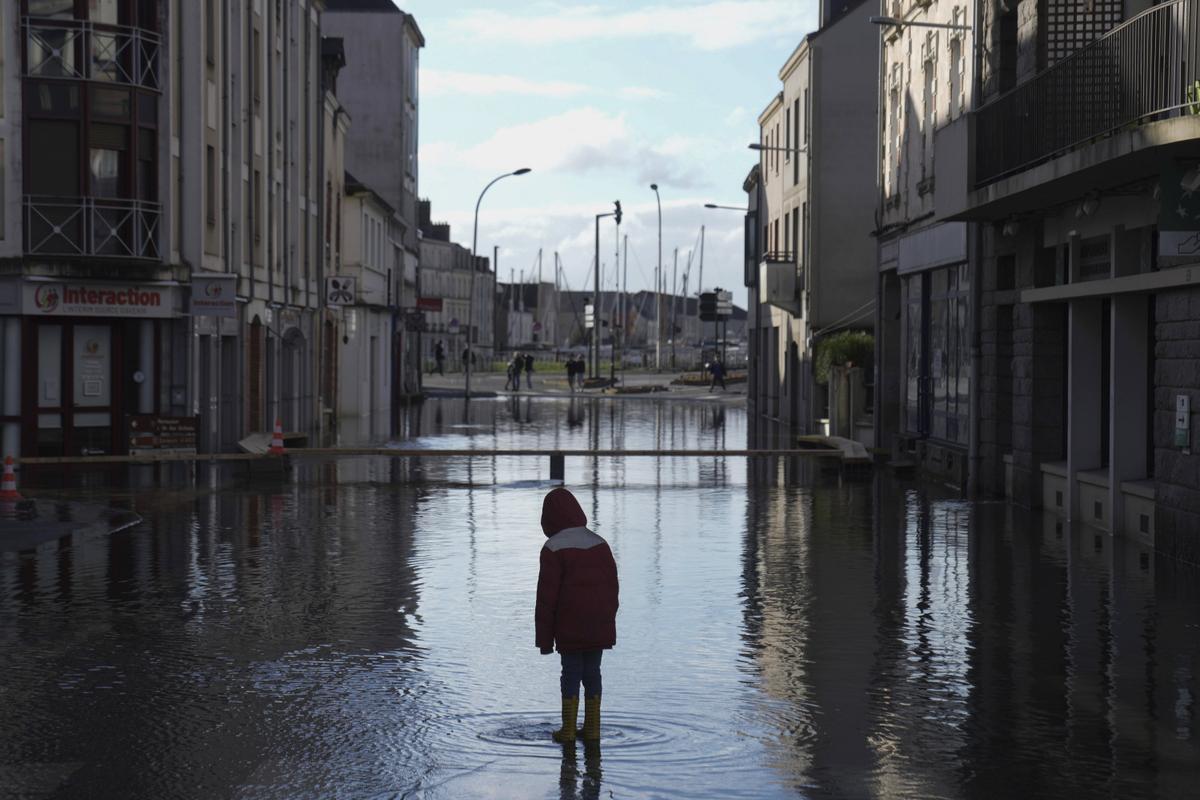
(343, 452)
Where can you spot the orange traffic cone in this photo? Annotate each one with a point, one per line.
(277, 439)
(8, 486)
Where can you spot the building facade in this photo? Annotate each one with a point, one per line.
(1089, 238)
(446, 286)
(811, 229)
(161, 170)
(926, 263)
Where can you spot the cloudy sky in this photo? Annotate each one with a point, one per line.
(600, 100)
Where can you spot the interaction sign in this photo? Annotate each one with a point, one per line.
(214, 295)
(83, 299)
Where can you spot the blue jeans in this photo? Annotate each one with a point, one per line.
(582, 666)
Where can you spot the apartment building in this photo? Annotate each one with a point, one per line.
(161, 168)
(811, 229)
(1081, 165)
(446, 286)
(927, 264)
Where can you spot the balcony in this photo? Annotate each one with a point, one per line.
(1146, 70)
(87, 227)
(81, 50)
(780, 282)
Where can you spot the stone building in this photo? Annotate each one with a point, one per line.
(161, 166)
(1080, 167)
(446, 282)
(926, 264)
(811, 230)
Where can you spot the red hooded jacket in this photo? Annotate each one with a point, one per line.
(577, 585)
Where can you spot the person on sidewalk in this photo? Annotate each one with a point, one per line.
(718, 374)
(518, 361)
(570, 365)
(529, 370)
(508, 369)
(576, 610)
(439, 357)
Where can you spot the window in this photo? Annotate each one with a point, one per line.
(795, 226)
(928, 120)
(787, 136)
(256, 190)
(210, 30)
(807, 114)
(60, 9)
(956, 77)
(210, 185)
(796, 139)
(804, 233)
(937, 353)
(53, 163)
(256, 68)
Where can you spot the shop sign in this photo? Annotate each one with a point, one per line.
(98, 300)
(431, 304)
(214, 295)
(150, 434)
(1179, 215)
(340, 291)
(414, 321)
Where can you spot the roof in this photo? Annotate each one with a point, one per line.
(355, 186)
(362, 5)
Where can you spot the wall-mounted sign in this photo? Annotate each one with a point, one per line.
(149, 433)
(1183, 422)
(214, 295)
(1179, 215)
(72, 299)
(431, 304)
(340, 290)
(414, 321)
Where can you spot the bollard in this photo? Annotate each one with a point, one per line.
(558, 467)
(8, 485)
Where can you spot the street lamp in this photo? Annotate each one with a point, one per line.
(900, 23)
(769, 149)
(657, 284)
(596, 304)
(727, 208)
(471, 297)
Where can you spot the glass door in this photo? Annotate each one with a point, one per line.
(76, 396)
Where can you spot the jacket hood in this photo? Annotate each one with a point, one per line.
(560, 510)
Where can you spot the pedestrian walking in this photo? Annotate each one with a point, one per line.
(439, 357)
(466, 357)
(570, 366)
(576, 612)
(508, 368)
(517, 363)
(718, 374)
(529, 370)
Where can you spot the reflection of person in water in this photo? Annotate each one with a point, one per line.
(574, 415)
(569, 785)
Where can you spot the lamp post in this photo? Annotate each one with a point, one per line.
(596, 305)
(657, 284)
(900, 23)
(471, 297)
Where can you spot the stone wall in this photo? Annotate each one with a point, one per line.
(1176, 474)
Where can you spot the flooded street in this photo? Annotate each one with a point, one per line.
(364, 628)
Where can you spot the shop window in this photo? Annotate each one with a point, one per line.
(111, 104)
(51, 98)
(147, 165)
(105, 12)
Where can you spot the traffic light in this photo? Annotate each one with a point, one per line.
(708, 306)
(617, 213)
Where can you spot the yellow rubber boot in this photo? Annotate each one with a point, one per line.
(591, 719)
(570, 710)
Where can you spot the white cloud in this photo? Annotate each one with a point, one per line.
(708, 26)
(641, 93)
(435, 82)
(736, 116)
(442, 83)
(579, 141)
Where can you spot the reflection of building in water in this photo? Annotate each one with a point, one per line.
(912, 645)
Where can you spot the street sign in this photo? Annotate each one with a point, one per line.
(1183, 421)
(414, 321)
(340, 290)
(589, 316)
(432, 304)
(214, 295)
(149, 433)
(715, 306)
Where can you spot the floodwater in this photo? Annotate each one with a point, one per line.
(365, 629)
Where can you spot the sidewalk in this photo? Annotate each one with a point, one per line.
(554, 384)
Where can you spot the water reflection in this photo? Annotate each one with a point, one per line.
(363, 628)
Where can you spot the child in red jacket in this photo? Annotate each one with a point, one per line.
(576, 607)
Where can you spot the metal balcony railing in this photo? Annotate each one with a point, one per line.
(90, 227)
(82, 50)
(1143, 70)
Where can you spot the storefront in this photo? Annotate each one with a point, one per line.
(92, 353)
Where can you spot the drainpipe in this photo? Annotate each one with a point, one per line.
(975, 269)
(879, 282)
